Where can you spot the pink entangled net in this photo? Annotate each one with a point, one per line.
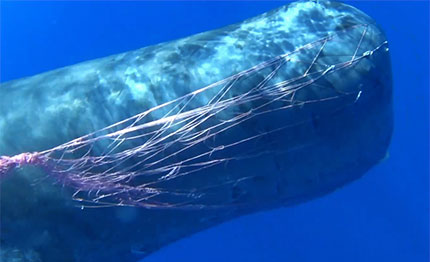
(135, 161)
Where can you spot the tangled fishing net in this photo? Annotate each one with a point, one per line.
(138, 161)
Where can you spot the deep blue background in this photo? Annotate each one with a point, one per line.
(382, 217)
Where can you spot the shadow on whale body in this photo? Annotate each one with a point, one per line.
(131, 152)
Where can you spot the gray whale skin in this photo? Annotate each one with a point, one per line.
(329, 142)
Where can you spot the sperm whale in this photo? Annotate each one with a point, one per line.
(161, 142)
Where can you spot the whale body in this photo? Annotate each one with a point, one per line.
(330, 122)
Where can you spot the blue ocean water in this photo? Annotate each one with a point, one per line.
(381, 217)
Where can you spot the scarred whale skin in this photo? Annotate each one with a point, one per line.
(334, 147)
